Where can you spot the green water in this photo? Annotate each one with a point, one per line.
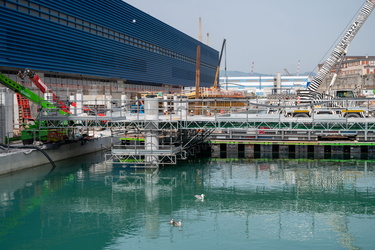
(250, 204)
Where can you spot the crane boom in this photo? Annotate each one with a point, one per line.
(218, 66)
(339, 50)
(25, 92)
(43, 88)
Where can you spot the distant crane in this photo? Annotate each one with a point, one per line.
(298, 66)
(287, 72)
(252, 69)
(200, 30)
(216, 85)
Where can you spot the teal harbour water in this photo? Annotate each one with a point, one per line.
(249, 204)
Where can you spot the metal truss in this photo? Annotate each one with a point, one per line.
(191, 131)
(136, 157)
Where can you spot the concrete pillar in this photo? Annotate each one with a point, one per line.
(78, 100)
(232, 150)
(215, 150)
(283, 151)
(318, 152)
(108, 104)
(16, 115)
(249, 151)
(355, 152)
(301, 151)
(152, 134)
(182, 108)
(371, 152)
(124, 99)
(175, 104)
(165, 104)
(266, 151)
(337, 152)
(6, 113)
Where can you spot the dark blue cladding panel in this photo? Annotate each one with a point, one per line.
(107, 38)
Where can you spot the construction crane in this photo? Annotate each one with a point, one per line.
(43, 88)
(27, 93)
(216, 85)
(311, 94)
(287, 72)
(34, 132)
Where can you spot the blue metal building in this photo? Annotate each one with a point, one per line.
(104, 38)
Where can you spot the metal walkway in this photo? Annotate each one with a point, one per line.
(188, 125)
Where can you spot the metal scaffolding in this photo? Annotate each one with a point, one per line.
(176, 130)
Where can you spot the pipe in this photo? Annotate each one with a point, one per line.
(32, 147)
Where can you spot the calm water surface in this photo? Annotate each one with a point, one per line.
(250, 204)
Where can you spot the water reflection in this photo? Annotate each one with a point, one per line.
(88, 204)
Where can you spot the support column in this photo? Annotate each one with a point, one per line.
(232, 150)
(151, 130)
(182, 106)
(266, 151)
(7, 101)
(283, 151)
(175, 104)
(165, 104)
(301, 151)
(355, 152)
(78, 100)
(371, 152)
(318, 152)
(249, 151)
(337, 152)
(215, 150)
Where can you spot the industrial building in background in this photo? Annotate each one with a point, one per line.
(355, 72)
(265, 85)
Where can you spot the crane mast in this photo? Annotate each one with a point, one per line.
(340, 49)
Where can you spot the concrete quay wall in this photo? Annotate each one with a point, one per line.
(292, 150)
(20, 159)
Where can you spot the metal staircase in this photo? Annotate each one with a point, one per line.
(24, 110)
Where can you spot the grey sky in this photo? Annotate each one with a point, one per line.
(274, 34)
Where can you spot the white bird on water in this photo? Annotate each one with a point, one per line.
(199, 197)
(176, 224)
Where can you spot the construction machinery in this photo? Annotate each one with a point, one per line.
(34, 133)
(216, 85)
(311, 95)
(43, 88)
(34, 77)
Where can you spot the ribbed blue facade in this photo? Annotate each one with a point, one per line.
(107, 38)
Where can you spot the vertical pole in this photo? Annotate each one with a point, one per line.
(197, 77)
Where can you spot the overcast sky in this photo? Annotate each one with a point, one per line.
(274, 34)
